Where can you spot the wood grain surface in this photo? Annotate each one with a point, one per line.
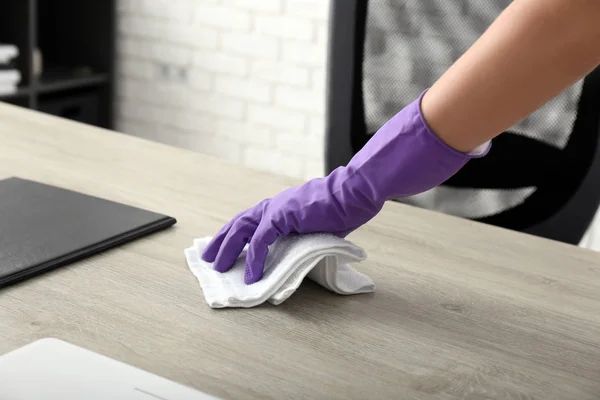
(461, 310)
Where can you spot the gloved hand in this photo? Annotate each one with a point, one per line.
(403, 158)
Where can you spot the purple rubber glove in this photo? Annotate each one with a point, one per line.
(403, 158)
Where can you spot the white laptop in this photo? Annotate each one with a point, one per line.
(53, 369)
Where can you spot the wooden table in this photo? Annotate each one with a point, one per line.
(461, 310)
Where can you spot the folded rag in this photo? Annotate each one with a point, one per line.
(323, 258)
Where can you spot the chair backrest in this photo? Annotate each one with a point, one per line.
(384, 53)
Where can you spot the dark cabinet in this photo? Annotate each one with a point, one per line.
(66, 60)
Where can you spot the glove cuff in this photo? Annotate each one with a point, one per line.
(478, 152)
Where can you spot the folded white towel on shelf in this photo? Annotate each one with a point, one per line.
(6, 90)
(10, 77)
(323, 258)
(8, 52)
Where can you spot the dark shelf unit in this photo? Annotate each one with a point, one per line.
(76, 41)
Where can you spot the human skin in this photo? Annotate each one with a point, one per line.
(534, 50)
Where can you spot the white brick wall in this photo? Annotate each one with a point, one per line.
(239, 79)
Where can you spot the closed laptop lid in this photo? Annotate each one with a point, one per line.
(49, 369)
(45, 226)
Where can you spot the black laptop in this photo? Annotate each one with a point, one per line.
(44, 227)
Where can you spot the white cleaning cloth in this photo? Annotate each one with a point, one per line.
(323, 258)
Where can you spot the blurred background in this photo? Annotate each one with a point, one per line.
(297, 87)
(239, 79)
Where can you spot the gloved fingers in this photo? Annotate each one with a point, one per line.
(265, 235)
(210, 252)
(235, 241)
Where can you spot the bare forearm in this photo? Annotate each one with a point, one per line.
(533, 51)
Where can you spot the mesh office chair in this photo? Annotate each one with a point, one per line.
(542, 176)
